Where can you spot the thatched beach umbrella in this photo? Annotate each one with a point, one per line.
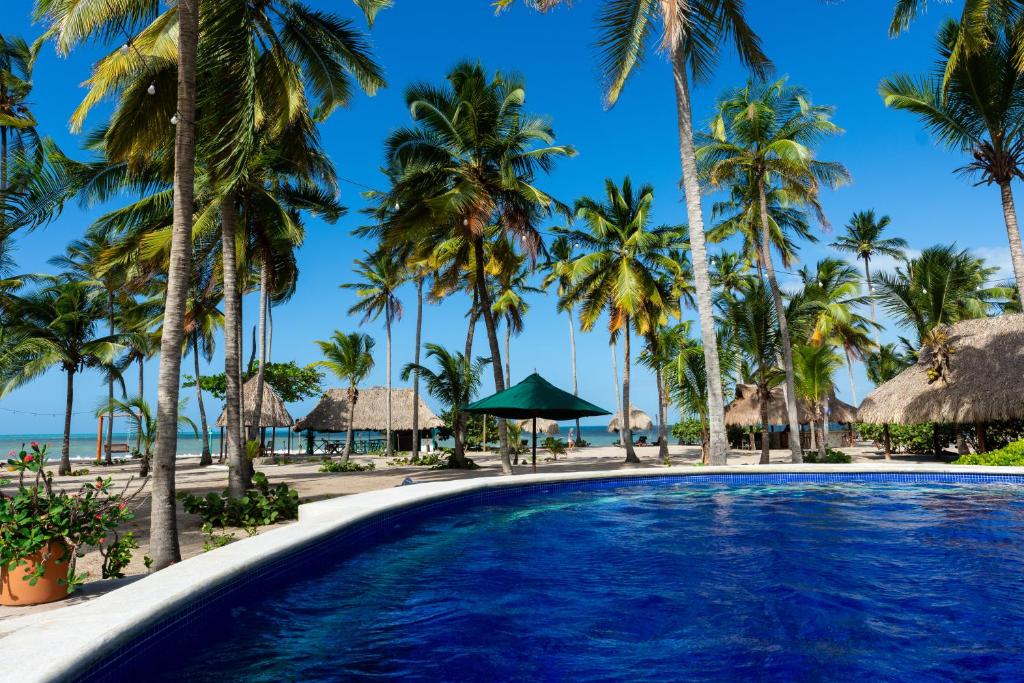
(745, 410)
(272, 412)
(543, 426)
(638, 420)
(984, 381)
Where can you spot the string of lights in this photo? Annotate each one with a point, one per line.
(35, 414)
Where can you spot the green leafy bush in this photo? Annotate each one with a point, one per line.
(1010, 456)
(117, 555)
(916, 438)
(555, 445)
(262, 505)
(342, 466)
(832, 456)
(425, 460)
(447, 462)
(687, 431)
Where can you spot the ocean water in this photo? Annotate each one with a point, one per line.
(83, 445)
(657, 581)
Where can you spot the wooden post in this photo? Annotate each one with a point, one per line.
(99, 440)
(534, 444)
(982, 440)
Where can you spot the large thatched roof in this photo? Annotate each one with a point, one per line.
(544, 426)
(985, 382)
(638, 420)
(273, 413)
(745, 410)
(331, 413)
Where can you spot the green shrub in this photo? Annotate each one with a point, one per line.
(448, 463)
(555, 446)
(916, 438)
(117, 555)
(425, 460)
(688, 431)
(1011, 456)
(260, 506)
(342, 466)
(832, 457)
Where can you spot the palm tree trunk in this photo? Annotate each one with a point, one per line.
(718, 444)
(65, 446)
(508, 360)
(627, 432)
(353, 396)
(387, 324)
(232, 350)
(416, 375)
(492, 338)
(849, 370)
(814, 436)
(260, 372)
(886, 442)
(765, 431)
(460, 440)
(163, 528)
(1013, 233)
(823, 446)
(471, 331)
(572, 351)
(871, 298)
(662, 417)
(618, 392)
(108, 458)
(780, 312)
(142, 394)
(206, 457)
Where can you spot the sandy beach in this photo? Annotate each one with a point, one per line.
(303, 475)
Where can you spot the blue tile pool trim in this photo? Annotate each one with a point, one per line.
(213, 604)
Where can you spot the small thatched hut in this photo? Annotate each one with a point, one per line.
(639, 421)
(544, 426)
(984, 383)
(371, 414)
(745, 411)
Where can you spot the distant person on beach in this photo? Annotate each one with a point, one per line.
(572, 439)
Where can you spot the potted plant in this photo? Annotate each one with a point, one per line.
(43, 530)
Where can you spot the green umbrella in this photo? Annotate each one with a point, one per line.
(532, 398)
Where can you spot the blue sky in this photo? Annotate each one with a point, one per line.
(838, 52)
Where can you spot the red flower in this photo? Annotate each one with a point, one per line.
(99, 516)
(29, 458)
(35, 444)
(103, 540)
(123, 505)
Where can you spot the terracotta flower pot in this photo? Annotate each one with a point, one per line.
(15, 590)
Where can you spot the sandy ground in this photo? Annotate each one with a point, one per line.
(303, 475)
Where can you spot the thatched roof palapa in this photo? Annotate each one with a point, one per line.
(745, 410)
(544, 426)
(331, 413)
(638, 420)
(985, 382)
(272, 412)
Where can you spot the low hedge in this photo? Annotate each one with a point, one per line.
(1010, 456)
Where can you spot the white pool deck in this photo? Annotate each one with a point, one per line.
(58, 644)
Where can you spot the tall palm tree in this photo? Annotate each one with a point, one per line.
(202, 320)
(619, 272)
(864, 239)
(763, 135)
(380, 275)
(662, 348)
(830, 301)
(753, 322)
(559, 270)
(882, 366)
(470, 164)
(815, 366)
(17, 124)
(350, 358)
(58, 327)
(454, 384)
(511, 275)
(978, 111)
(692, 35)
(940, 287)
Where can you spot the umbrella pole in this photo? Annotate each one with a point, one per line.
(535, 444)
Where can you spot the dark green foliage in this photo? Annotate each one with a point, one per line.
(258, 507)
(117, 555)
(688, 432)
(291, 382)
(904, 438)
(1010, 456)
(832, 456)
(345, 466)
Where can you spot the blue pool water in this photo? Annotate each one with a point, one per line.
(665, 579)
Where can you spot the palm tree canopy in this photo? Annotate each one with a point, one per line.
(349, 357)
(381, 274)
(455, 382)
(863, 237)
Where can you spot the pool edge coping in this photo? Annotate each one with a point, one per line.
(81, 635)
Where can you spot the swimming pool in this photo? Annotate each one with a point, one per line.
(774, 576)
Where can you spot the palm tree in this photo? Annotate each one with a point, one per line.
(829, 301)
(976, 111)
(662, 348)
(755, 333)
(57, 326)
(454, 384)
(17, 124)
(940, 287)
(380, 275)
(762, 135)
(511, 275)
(864, 239)
(559, 267)
(470, 172)
(692, 34)
(350, 358)
(619, 272)
(882, 366)
(140, 412)
(815, 366)
(202, 320)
